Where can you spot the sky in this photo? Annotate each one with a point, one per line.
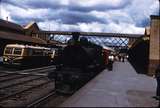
(113, 16)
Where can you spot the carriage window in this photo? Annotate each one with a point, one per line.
(18, 51)
(8, 50)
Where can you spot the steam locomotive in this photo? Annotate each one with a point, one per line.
(79, 62)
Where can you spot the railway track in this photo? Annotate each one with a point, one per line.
(8, 75)
(32, 71)
(3, 75)
(42, 99)
(50, 100)
(26, 88)
(11, 84)
(2, 67)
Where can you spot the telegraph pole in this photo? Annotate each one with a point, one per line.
(159, 7)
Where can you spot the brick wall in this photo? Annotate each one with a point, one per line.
(154, 49)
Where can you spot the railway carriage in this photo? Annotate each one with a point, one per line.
(24, 55)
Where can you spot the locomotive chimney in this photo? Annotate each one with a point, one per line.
(75, 36)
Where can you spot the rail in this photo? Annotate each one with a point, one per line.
(33, 72)
(42, 99)
(29, 75)
(19, 92)
(23, 82)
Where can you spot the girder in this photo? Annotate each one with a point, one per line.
(104, 39)
(90, 34)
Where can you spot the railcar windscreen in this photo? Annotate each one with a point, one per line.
(17, 51)
(8, 50)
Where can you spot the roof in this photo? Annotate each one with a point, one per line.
(155, 17)
(19, 37)
(7, 24)
(147, 31)
(27, 46)
(29, 25)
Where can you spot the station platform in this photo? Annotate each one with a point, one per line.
(121, 87)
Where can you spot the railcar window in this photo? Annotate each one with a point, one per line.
(37, 52)
(29, 51)
(18, 51)
(8, 50)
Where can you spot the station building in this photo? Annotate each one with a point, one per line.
(145, 51)
(154, 44)
(12, 33)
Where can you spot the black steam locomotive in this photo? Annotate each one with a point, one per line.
(79, 62)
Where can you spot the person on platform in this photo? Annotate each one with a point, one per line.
(122, 58)
(110, 62)
(157, 76)
(119, 57)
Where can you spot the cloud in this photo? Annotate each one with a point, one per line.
(70, 4)
(97, 5)
(92, 27)
(57, 26)
(5, 14)
(140, 11)
(71, 17)
(65, 16)
(123, 16)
